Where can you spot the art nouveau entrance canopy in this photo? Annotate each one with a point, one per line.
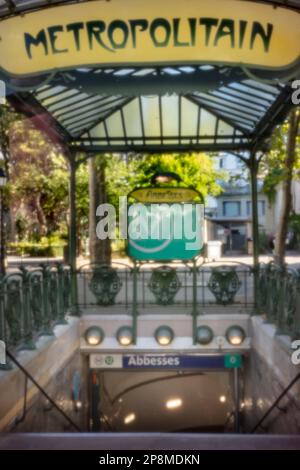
(127, 75)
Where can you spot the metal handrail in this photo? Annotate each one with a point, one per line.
(274, 405)
(40, 388)
(279, 297)
(189, 285)
(32, 302)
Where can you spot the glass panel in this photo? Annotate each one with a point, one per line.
(77, 106)
(63, 101)
(150, 110)
(238, 100)
(132, 119)
(170, 115)
(260, 94)
(189, 118)
(114, 125)
(98, 131)
(225, 128)
(207, 125)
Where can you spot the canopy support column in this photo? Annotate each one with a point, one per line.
(253, 167)
(73, 234)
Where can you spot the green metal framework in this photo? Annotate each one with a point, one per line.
(32, 302)
(206, 108)
(153, 109)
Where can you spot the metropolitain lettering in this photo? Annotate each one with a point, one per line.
(119, 34)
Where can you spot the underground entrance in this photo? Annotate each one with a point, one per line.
(172, 97)
(162, 401)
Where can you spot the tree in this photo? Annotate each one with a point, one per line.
(7, 119)
(195, 170)
(290, 163)
(281, 166)
(100, 250)
(117, 175)
(39, 180)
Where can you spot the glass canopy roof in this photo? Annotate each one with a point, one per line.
(156, 108)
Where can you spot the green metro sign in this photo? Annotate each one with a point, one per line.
(165, 231)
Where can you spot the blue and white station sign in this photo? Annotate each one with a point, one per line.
(164, 361)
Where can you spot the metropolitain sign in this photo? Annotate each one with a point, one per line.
(134, 32)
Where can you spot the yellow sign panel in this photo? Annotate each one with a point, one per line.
(164, 194)
(124, 32)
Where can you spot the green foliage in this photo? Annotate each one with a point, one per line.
(121, 175)
(195, 170)
(82, 200)
(46, 247)
(273, 167)
(124, 173)
(39, 182)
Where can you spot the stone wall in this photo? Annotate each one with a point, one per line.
(57, 358)
(268, 371)
(41, 416)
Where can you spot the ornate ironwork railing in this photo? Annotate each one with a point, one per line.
(100, 285)
(32, 302)
(279, 297)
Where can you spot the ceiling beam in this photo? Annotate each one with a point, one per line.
(275, 115)
(11, 5)
(159, 83)
(160, 148)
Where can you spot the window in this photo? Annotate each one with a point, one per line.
(249, 207)
(232, 208)
(261, 207)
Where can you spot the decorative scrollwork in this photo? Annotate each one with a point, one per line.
(53, 295)
(36, 300)
(66, 289)
(164, 284)
(105, 284)
(14, 311)
(224, 284)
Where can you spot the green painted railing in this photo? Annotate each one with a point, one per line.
(32, 302)
(279, 298)
(140, 286)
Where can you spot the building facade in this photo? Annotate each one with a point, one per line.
(231, 211)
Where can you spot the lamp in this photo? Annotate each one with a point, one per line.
(94, 335)
(165, 177)
(129, 418)
(125, 335)
(204, 335)
(173, 403)
(164, 335)
(235, 335)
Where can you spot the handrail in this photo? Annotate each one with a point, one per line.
(40, 388)
(274, 405)
(279, 297)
